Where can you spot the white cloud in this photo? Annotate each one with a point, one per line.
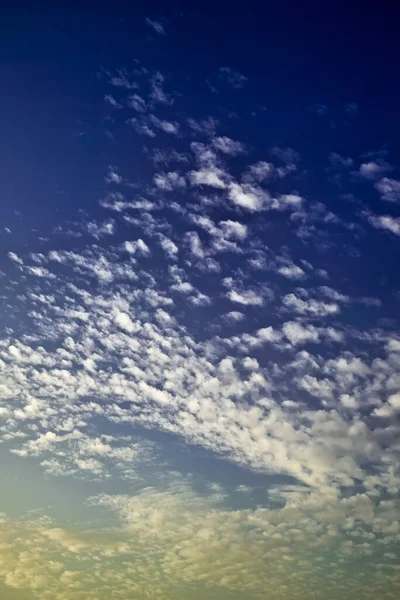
(310, 306)
(228, 146)
(212, 177)
(373, 170)
(389, 189)
(387, 222)
(137, 246)
(291, 272)
(297, 333)
(262, 170)
(248, 196)
(234, 316)
(233, 229)
(99, 230)
(195, 244)
(246, 297)
(15, 258)
(169, 181)
(169, 247)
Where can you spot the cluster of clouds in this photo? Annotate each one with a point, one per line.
(176, 315)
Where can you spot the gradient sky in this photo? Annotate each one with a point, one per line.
(199, 345)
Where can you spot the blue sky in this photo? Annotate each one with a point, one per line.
(200, 341)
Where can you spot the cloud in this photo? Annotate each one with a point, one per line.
(374, 170)
(291, 272)
(386, 222)
(158, 94)
(156, 25)
(262, 170)
(211, 177)
(232, 77)
(228, 146)
(389, 189)
(169, 181)
(169, 247)
(166, 126)
(310, 307)
(248, 196)
(233, 229)
(137, 103)
(137, 246)
(99, 230)
(246, 297)
(297, 333)
(340, 162)
(351, 108)
(127, 329)
(233, 316)
(112, 101)
(286, 155)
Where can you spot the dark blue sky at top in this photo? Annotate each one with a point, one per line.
(296, 58)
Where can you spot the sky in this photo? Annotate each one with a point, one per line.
(199, 324)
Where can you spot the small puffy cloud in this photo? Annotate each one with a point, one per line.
(169, 247)
(349, 401)
(113, 176)
(386, 222)
(287, 201)
(247, 196)
(291, 272)
(211, 177)
(169, 181)
(332, 294)
(390, 409)
(156, 25)
(124, 321)
(195, 244)
(234, 316)
(373, 170)
(310, 307)
(262, 170)
(137, 246)
(99, 230)
(297, 333)
(246, 297)
(228, 146)
(171, 127)
(233, 229)
(389, 189)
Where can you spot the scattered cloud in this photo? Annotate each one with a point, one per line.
(232, 77)
(156, 25)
